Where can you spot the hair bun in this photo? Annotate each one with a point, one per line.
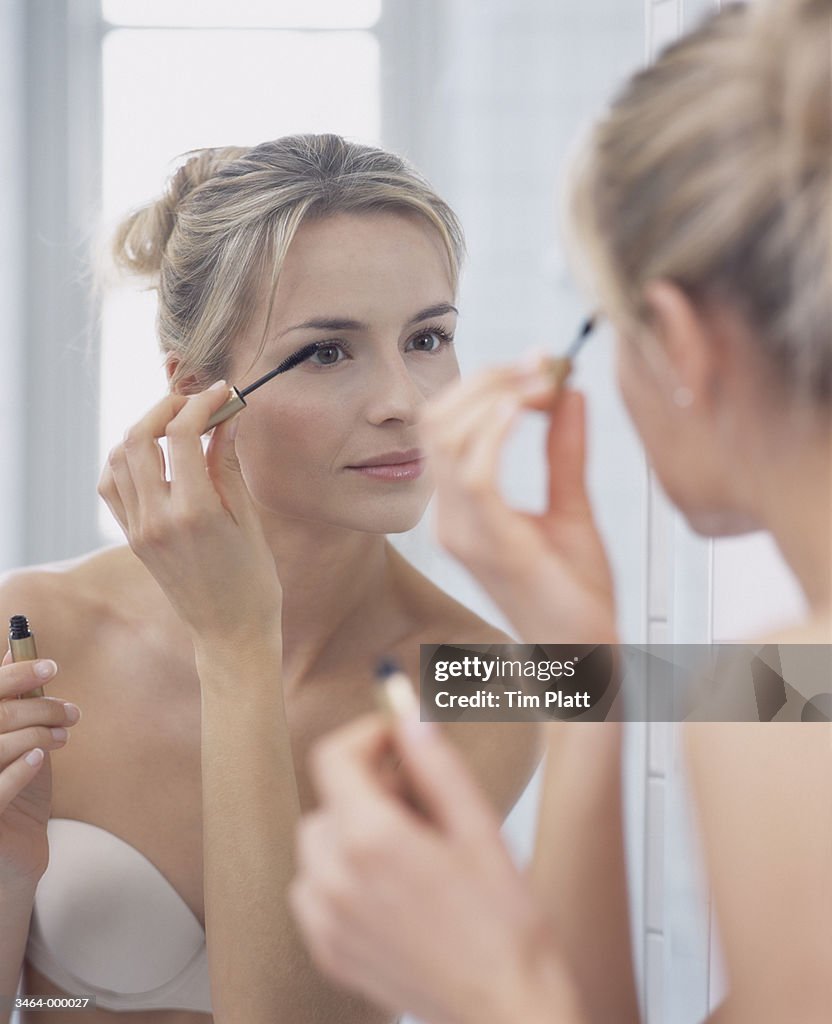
(140, 240)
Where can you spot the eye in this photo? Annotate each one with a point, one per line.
(327, 355)
(429, 341)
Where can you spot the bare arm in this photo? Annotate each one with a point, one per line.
(579, 869)
(201, 538)
(15, 913)
(258, 964)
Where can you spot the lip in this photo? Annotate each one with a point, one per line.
(391, 459)
(393, 466)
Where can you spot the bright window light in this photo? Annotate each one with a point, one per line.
(315, 14)
(166, 92)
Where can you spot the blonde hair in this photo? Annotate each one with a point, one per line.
(713, 169)
(228, 216)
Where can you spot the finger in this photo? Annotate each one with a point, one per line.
(188, 471)
(127, 499)
(146, 463)
(446, 419)
(18, 775)
(33, 712)
(322, 934)
(442, 782)
(525, 377)
(479, 467)
(566, 456)
(15, 744)
(317, 856)
(348, 757)
(7, 657)
(23, 676)
(109, 492)
(155, 420)
(225, 471)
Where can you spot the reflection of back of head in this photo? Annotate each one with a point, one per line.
(662, 192)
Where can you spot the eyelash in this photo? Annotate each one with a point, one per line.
(444, 336)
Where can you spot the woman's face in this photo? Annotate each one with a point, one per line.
(377, 288)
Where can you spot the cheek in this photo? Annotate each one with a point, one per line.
(437, 375)
(297, 437)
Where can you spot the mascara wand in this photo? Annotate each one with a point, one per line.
(237, 399)
(587, 328)
(561, 366)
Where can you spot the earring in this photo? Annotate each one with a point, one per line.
(683, 397)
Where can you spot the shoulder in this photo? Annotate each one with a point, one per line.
(58, 597)
(437, 617)
(816, 630)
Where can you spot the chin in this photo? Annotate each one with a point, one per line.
(394, 515)
(391, 522)
(721, 522)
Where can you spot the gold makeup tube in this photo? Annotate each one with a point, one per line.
(396, 698)
(395, 694)
(559, 367)
(22, 646)
(237, 399)
(232, 405)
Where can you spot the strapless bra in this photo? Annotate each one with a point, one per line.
(106, 922)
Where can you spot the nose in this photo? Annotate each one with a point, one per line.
(394, 394)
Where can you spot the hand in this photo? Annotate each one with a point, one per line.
(548, 573)
(199, 535)
(422, 913)
(26, 789)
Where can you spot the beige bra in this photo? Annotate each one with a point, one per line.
(106, 922)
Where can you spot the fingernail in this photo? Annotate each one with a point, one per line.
(531, 359)
(45, 669)
(417, 730)
(217, 385)
(72, 712)
(232, 428)
(58, 733)
(541, 381)
(35, 756)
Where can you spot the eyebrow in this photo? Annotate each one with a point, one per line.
(343, 324)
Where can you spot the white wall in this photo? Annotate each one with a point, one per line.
(12, 196)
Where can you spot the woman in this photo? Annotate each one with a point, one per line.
(263, 563)
(704, 204)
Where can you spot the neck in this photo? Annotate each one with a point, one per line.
(335, 583)
(794, 493)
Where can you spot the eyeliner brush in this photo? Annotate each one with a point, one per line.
(237, 399)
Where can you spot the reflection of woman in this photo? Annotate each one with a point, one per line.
(705, 205)
(268, 590)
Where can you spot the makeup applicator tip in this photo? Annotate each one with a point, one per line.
(394, 691)
(385, 668)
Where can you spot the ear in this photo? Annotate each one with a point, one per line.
(188, 385)
(685, 341)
